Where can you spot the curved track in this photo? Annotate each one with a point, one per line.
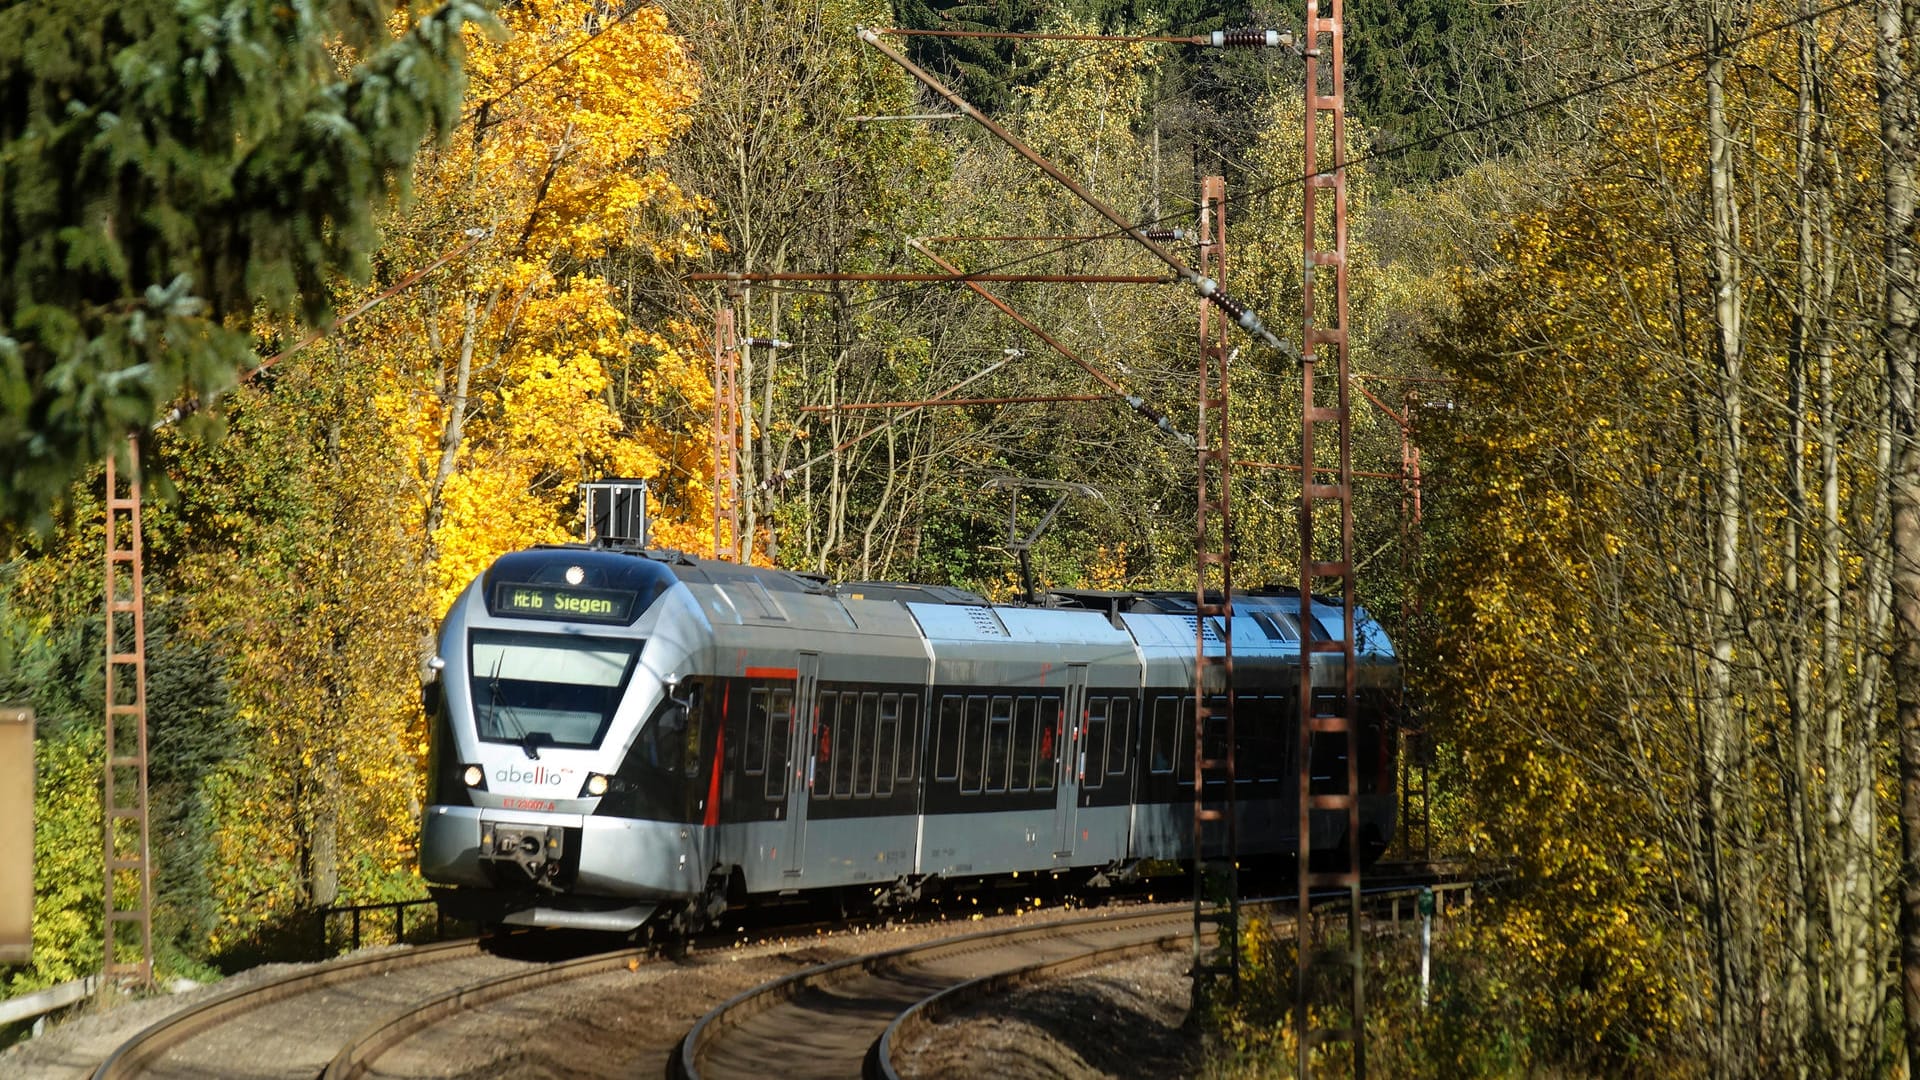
(824, 1021)
(356, 1059)
(931, 1010)
(533, 1000)
(843, 1019)
(291, 1027)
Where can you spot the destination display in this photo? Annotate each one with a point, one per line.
(557, 602)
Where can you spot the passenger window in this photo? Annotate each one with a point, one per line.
(1166, 711)
(756, 733)
(1118, 716)
(1095, 752)
(849, 750)
(1183, 743)
(1215, 745)
(886, 745)
(909, 737)
(1045, 756)
(868, 742)
(999, 743)
(1023, 739)
(973, 746)
(779, 736)
(826, 744)
(946, 763)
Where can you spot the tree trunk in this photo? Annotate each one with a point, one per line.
(1725, 730)
(1894, 23)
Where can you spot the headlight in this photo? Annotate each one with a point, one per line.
(474, 775)
(596, 784)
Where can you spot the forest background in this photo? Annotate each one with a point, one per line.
(1634, 273)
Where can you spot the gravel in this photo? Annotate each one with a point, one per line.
(626, 1023)
(1126, 1019)
(71, 1047)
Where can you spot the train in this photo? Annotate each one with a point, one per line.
(625, 738)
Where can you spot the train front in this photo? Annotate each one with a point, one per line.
(566, 743)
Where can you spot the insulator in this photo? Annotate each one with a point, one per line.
(1175, 236)
(1251, 39)
(1234, 309)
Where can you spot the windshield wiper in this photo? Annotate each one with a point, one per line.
(495, 708)
(533, 740)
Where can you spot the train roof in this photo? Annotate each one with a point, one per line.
(694, 570)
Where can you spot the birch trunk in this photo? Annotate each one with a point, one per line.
(1725, 751)
(1894, 24)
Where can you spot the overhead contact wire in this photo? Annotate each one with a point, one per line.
(1428, 140)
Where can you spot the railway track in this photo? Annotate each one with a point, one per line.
(825, 1021)
(358, 1057)
(313, 1006)
(844, 1018)
(470, 1007)
(791, 999)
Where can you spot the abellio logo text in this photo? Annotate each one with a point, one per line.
(539, 775)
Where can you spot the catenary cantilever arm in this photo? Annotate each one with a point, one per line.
(1205, 286)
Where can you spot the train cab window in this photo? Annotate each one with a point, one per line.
(1095, 752)
(909, 739)
(826, 743)
(756, 754)
(1046, 755)
(670, 740)
(973, 745)
(1024, 712)
(886, 744)
(946, 760)
(1118, 715)
(867, 743)
(539, 690)
(779, 736)
(999, 743)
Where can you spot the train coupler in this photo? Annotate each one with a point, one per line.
(534, 852)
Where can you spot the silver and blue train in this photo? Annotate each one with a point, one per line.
(624, 735)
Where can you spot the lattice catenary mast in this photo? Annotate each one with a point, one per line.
(128, 900)
(1216, 848)
(1328, 703)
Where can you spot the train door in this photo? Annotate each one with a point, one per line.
(800, 753)
(1068, 764)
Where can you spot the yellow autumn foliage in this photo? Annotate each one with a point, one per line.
(1573, 472)
(556, 184)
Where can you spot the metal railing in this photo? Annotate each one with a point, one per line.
(357, 922)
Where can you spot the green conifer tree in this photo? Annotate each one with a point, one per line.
(174, 174)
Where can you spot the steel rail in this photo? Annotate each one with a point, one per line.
(931, 1010)
(707, 1031)
(936, 1007)
(355, 1059)
(131, 1058)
